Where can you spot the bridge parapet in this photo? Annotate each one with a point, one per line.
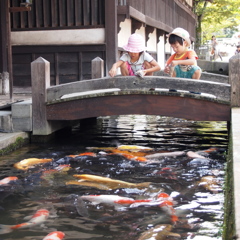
(215, 90)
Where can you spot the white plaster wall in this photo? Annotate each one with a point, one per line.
(124, 32)
(141, 31)
(152, 41)
(59, 37)
(161, 52)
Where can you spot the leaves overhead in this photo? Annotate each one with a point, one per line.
(218, 17)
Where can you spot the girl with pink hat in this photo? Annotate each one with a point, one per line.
(136, 62)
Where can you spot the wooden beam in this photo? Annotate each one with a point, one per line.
(111, 33)
(172, 106)
(19, 9)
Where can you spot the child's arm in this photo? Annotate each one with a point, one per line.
(113, 71)
(191, 61)
(155, 67)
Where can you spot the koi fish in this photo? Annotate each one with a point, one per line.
(110, 183)
(132, 157)
(89, 184)
(210, 183)
(84, 154)
(49, 174)
(165, 154)
(57, 235)
(159, 232)
(134, 147)
(7, 180)
(38, 218)
(134, 153)
(191, 154)
(27, 163)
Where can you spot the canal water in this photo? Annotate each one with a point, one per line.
(176, 168)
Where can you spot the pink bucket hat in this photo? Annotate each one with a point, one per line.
(135, 44)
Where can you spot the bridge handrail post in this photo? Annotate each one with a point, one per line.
(234, 80)
(97, 68)
(40, 77)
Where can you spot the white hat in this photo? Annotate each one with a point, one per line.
(181, 33)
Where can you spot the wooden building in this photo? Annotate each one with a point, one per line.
(71, 33)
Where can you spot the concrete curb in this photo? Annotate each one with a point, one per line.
(6, 139)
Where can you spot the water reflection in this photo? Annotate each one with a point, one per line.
(193, 184)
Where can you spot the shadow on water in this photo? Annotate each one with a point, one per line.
(193, 180)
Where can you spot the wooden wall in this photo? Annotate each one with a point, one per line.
(67, 64)
(59, 14)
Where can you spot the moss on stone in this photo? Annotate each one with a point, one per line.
(12, 147)
(229, 216)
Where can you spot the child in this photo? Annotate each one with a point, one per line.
(136, 61)
(237, 50)
(183, 61)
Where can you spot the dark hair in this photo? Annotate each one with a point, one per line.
(174, 39)
(238, 46)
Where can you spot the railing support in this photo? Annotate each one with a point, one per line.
(234, 80)
(97, 68)
(40, 74)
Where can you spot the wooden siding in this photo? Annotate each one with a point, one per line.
(162, 14)
(67, 64)
(59, 14)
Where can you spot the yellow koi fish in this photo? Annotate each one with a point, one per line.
(108, 182)
(133, 147)
(27, 163)
(159, 232)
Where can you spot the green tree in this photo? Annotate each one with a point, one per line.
(216, 17)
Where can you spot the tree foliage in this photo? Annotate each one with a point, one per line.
(216, 17)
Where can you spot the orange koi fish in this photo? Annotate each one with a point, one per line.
(7, 180)
(84, 154)
(27, 163)
(38, 218)
(134, 153)
(110, 183)
(57, 235)
(132, 157)
(47, 174)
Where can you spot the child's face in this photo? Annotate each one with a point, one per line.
(134, 56)
(178, 48)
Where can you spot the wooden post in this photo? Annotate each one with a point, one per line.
(9, 47)
(40, 74)
(97, 68)
(111, 33)
(234, 80)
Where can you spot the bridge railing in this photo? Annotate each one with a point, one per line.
(216, 91)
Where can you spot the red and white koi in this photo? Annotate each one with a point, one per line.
(38, 218)
(163, 200)
(57, 235)
(7, 180)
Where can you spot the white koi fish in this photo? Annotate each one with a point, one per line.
(165, 154)
(38, 218)
(7, 180)
(57, 235)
